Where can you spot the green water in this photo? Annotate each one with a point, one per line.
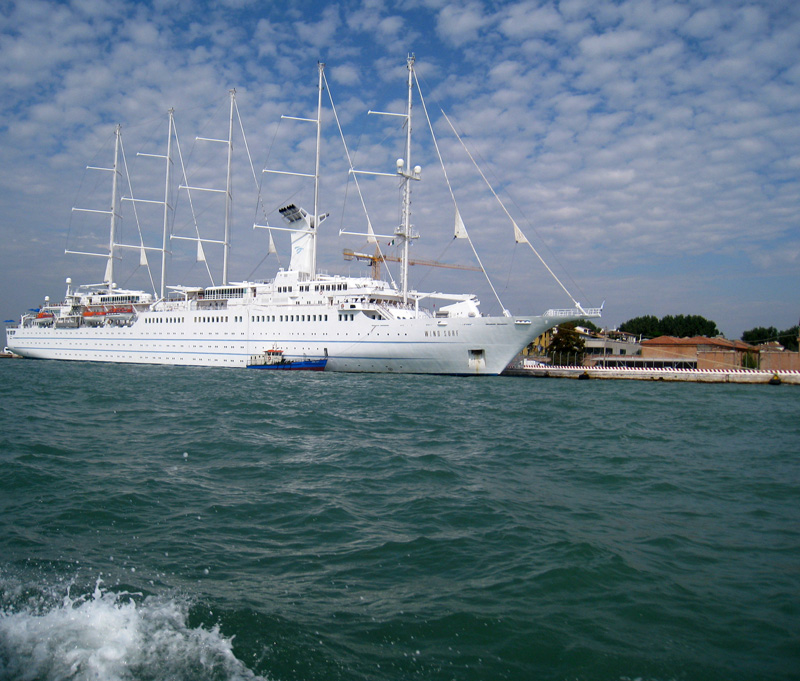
(183, 523)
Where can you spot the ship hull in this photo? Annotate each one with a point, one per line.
(426, 345)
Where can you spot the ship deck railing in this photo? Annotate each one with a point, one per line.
(575, 311)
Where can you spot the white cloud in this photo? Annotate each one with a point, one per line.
(390, 27)
(704, 23)
(266, 38)
(461, 24)
(528, 19)
(346, 74)
(319, 33)
(614, 44)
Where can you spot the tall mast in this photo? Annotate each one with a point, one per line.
(228, 196)
(405, 171)
(109, 277)
(114, 213)
(165, 236)
(315, 224)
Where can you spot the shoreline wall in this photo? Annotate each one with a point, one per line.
(686, 375)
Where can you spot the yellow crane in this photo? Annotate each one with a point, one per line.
(376, 260)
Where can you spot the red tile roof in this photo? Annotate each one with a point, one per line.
(698, 341)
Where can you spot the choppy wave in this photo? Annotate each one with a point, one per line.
(109, 636)
(334, 527)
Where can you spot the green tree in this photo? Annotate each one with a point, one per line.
(567, 345)
(760, 334)
(768, 334)
(750, 360)
(788, 338)
(646, 326)
(682, 326)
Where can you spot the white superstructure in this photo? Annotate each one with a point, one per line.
(357, 323)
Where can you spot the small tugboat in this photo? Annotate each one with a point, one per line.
(274, 359)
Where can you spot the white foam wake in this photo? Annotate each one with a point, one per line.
(114, 637)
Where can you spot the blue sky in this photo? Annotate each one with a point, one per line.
(649, 150)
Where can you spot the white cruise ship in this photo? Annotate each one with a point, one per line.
(357, 324)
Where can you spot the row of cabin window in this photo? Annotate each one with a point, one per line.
(256, 318)
(109, 300)
(317, 287)
(180, 320)
(290, 318)
(165, 320)
(224, 293)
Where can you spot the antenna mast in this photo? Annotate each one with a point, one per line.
(316, 221)
(165, 236)
(404, 231)
(228, 196)
(114, 212)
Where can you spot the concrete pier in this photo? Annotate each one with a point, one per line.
(686, 375)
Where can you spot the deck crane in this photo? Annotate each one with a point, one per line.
(377, 258)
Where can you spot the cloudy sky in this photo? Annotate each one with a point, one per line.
(649, 150)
